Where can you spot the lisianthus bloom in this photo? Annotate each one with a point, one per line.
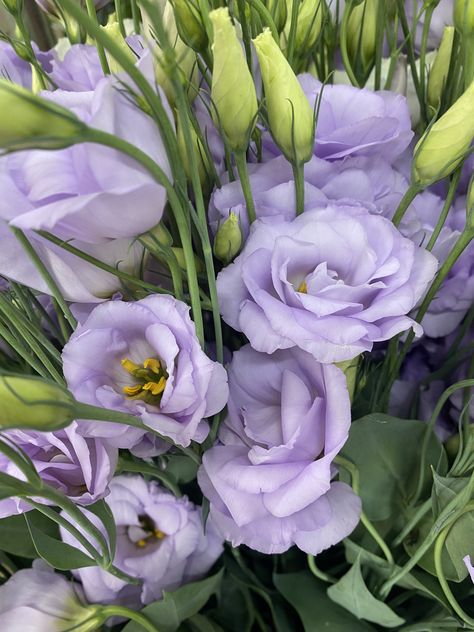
(83, 195)
(270, 482)
(39, 600)
(332, 282)
(79, 70)
(160, 540)
(144, 358)
(416, 16)
(355, 122)
(367, 180)
(78, 467)
(13, 67)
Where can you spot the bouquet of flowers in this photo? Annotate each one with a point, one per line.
(236, 315)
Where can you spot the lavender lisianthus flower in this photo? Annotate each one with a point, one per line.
(270, 481)
(80, 69)
(332, 282)
(39, 600)
(160, 540)
(78, 467)
(13, 67)
(355, 122)
(416, 16)
(144, 358)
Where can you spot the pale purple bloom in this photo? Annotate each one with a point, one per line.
(144, 358)
(160, 540)
(416, 16)
(79, 71)
(332, 282)
(355, 122)
(13, 67)
(83, 195)
(270, 482)
(39, 600)
(78, 467)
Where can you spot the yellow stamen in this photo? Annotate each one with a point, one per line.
(129, 366)
(141, 544)
(131, 391)
(159, 534)
(153, 364)
(303, 288)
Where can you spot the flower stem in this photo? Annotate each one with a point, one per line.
(319, 573)
(242, 169)
(405, 202)
(100, 49)
(298, 174)
(121, 611)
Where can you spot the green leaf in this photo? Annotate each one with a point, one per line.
(177, 606)
(386, 452)
(15, 537)
(104, 513)
(317, 612)
(182, 468)
(351, 593)
(200, 623)
(60, 555)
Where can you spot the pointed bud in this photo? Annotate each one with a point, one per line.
(233, 91)
(113, 30)
(439, 70)
(362, 33)
(290, 114)
(464, 16)
(228, 240)
(443, 146)
(30, 121)
(279, 12)
(189, 24)
(308, 26)
(29, 402)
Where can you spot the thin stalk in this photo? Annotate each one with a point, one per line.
(245, 32)
(106, 612)
(414, 520)
(424, 44)
(266, 17)
(343, 45)
(405, 202)
(242, 169)
(119, 16)
(318, 573)
(100, 49)
(410, 50)
(292, 33)
(298, 174)
(125, 465)
(453, 185)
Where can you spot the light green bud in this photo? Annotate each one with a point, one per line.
(279, 12)
(464, 16)
(13, 7)
(233, 91)
(228, 240)
(290, 114)
(30, 121)
(439, 70)
(349, 368)
(362, 32)
(113, 30)
(199, 152)
(29, 402)
(443, 146)
(189, 24)
(308, 26)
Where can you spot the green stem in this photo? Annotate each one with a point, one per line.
(410, 51)
(121, 611)
(343, 45)
(46, 276)
(125, 465)
(453, 185)
(266, 17)
(319, 573)
(100, 49)
(405, 202)
(414, 520)
(298, 174)
(119, 14)
(424, 42)
(245, 32)
(242, 169)
(292, 34)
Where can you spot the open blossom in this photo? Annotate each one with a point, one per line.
(355, 122)
(144, 358)
(39, 600)
(78, 467)
(332, 282)
(160, 540)
(270, 482)
(83, 195)
(13, 67)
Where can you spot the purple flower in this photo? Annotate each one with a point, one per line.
(83, 195)
(332, 282)
(79, 468)
(13, 67)
(40, 600)
(355, 122)
(369, 180)
(416, 15)
(79, 71)
(160, 540)
(144, 358)
(269, 484)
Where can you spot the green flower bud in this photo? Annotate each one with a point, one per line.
(228, 240)
(349, 368)
(439, 70)
(443, 146)
(233, 91)
(464, 16)
(199, 152)
(29, 402)
(30, 121)
(189, 24)
(290, 114)
(14, 7)
(308, 27)
(362, 32)
(113, 30)
(279, 12)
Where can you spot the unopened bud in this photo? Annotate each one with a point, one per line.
(362, 32)
(113, 30)
(443, 146)
(308, 26)
(279, 12)
(29, 402)
(439, 70)
(30, 121)
(233, 91)
(464, 16)
(189, 24)
(290, 114)
(228, 240)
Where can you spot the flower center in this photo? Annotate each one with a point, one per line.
(302, 288)
(148, 532)
(150, 380)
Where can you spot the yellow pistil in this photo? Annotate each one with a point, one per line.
(151, 378)
(303, 288)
